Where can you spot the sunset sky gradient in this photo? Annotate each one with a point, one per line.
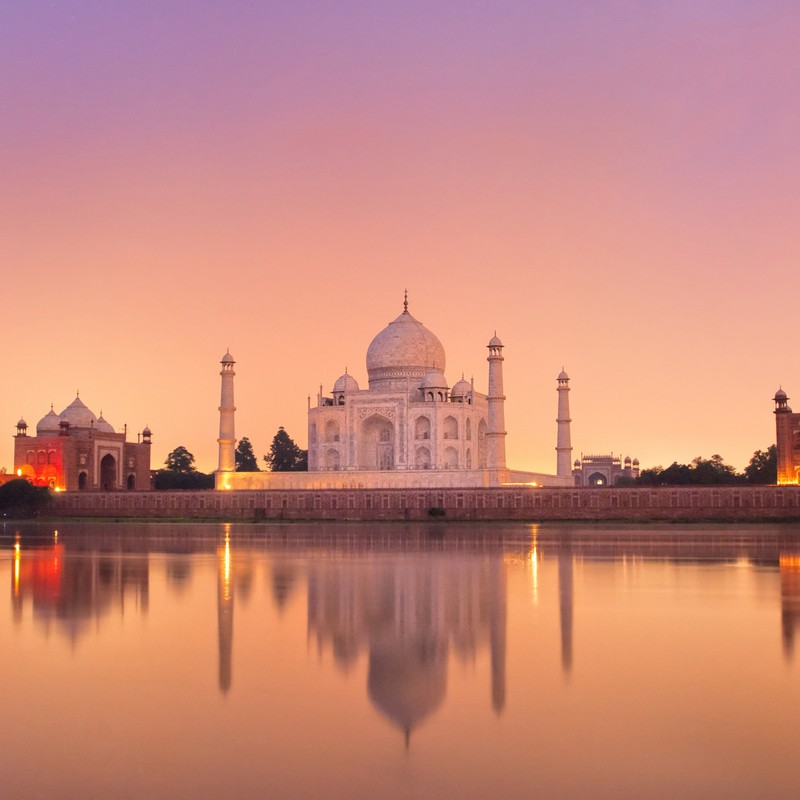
(612, 186)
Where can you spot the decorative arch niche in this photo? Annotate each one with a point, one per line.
(376, 443)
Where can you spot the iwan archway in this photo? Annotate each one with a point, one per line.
(108, 473)
(376, 444)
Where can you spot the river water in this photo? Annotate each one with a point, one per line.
(399, 661)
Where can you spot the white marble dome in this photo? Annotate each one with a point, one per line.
(48, 423)
(78, 414)
(461, 389)
(404, 348)
(434, 380)
(345, 383)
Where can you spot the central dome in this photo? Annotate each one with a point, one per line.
(405, 348)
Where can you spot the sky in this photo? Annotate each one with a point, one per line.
(610, 185)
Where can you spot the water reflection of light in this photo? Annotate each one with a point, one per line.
(16, 569)
(534, 562)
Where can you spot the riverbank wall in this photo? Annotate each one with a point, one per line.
(677, 504)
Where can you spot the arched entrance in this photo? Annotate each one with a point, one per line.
(598, 479)
(131, 482)
(376, 443)
(83, 482)
(108, 473)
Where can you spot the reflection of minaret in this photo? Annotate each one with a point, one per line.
(565, 596)
(790, 601)
(497, 633)
(225, 614)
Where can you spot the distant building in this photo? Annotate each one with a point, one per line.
(603, 470)
(78, 451)
(787, 430)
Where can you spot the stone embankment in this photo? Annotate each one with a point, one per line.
(677, 504)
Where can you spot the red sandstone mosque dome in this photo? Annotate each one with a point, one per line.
(405, 348)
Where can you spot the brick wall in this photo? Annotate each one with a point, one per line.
(504, 503)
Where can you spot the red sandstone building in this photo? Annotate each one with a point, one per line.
(787, 438)
(78, 451)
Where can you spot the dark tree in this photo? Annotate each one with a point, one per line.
(763, 466)
(702, 471)
(245, 457)
(181, 473)
(284, 455)
(180, 460)
(21, 499)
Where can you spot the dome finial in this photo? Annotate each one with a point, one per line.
(405, 301)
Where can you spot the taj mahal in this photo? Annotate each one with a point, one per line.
(408, 429)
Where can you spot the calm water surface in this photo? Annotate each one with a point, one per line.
(368, 661)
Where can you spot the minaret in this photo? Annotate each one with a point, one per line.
(783, 438)
(496, 424)
(563, 443)
(227, 437)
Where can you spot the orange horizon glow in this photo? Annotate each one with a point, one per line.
(611, 187)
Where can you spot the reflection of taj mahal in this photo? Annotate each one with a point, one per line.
(409, 615)
(409, 428)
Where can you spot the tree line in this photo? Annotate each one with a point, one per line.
(284, 455)
(762, 469)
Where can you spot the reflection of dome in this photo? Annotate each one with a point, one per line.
(404, 348)
(48, 423)
(408, 680)
(103, 425)
(78, 415)
(346, 383)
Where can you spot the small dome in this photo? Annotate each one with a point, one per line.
(635, 462)
(147, 431)
(461, 389)
(78, 415)
(103, 425)
(577, 462)
(227, 358)
(627, 459)
(495, 341)
(48, 423)
(22, 423)
(345, 383)
(434, 380)
(562, 376)
(780, 395)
